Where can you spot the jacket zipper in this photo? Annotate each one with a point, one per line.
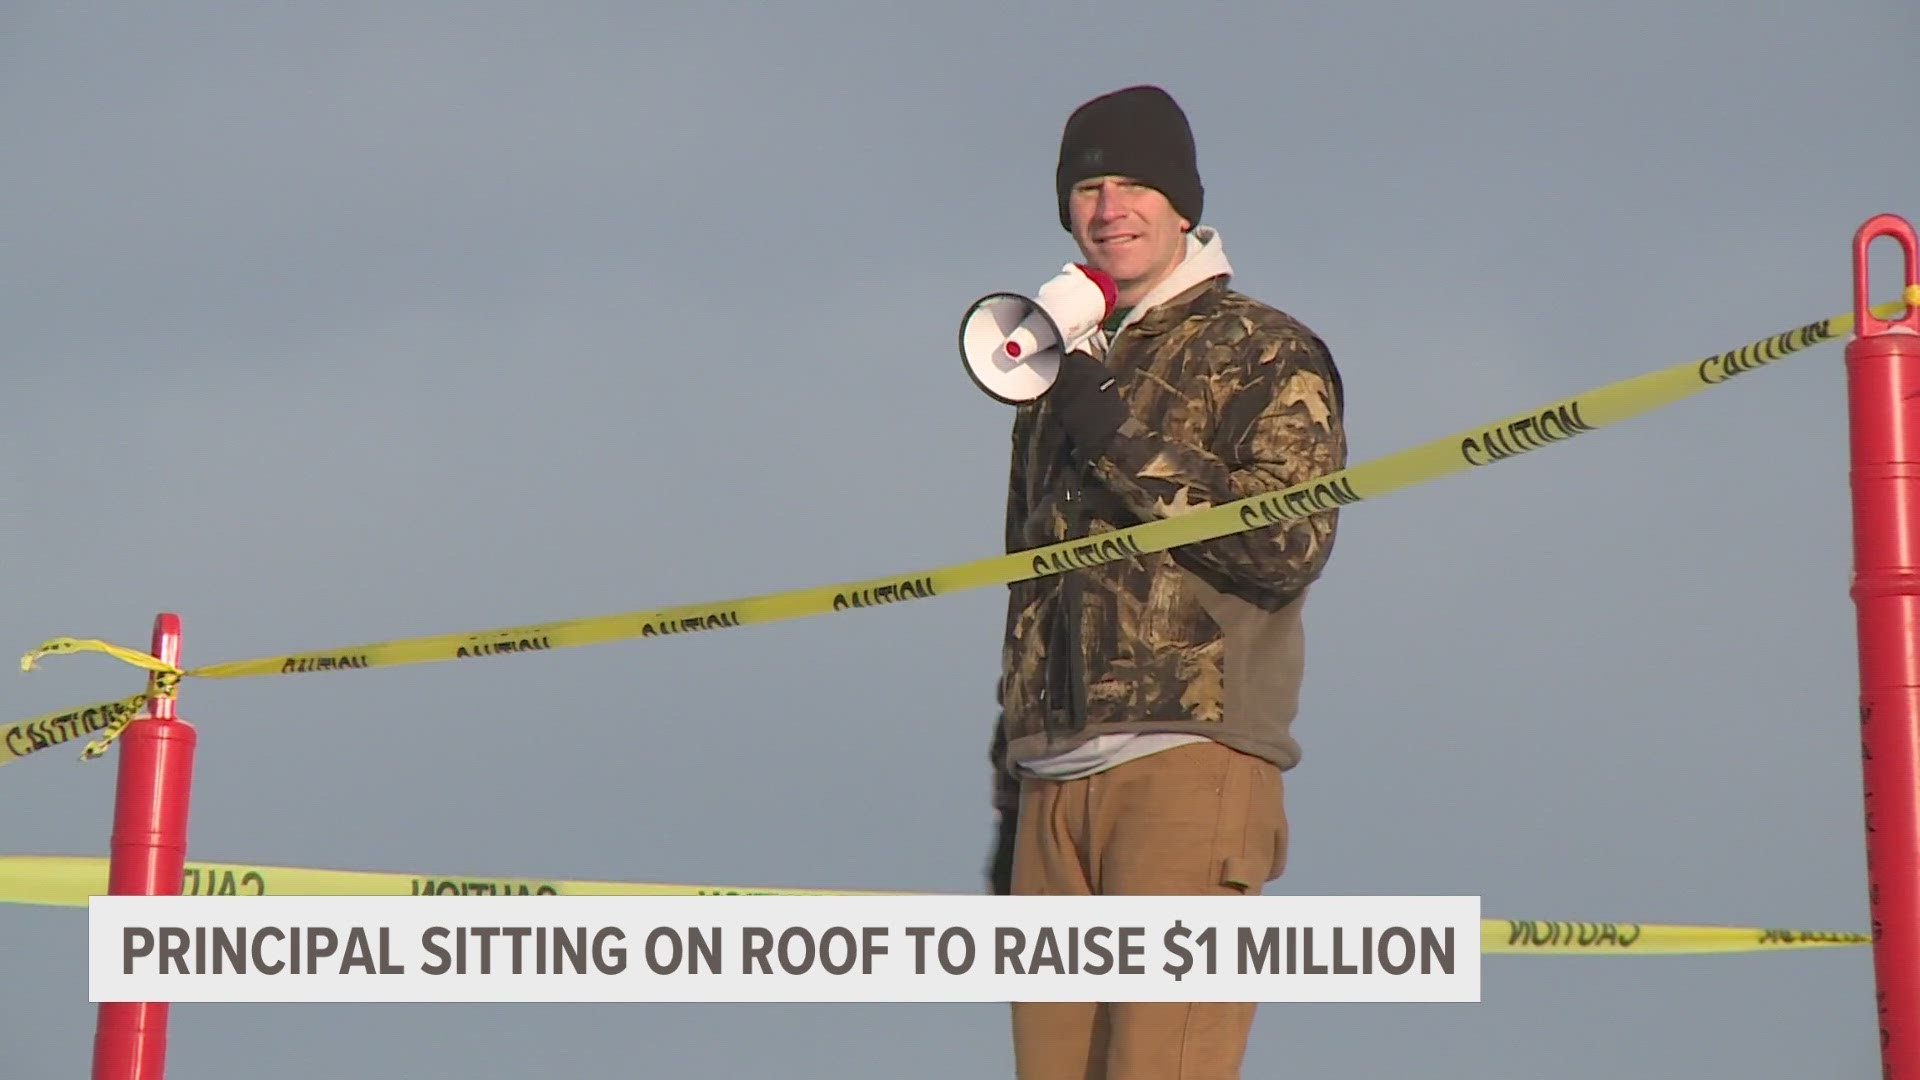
(1071, 601)
(1070, 610)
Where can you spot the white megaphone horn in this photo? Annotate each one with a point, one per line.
(1012, 346)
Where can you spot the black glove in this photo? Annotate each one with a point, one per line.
(1089, 408)
(1000, 867)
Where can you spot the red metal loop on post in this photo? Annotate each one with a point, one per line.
(1865, 324)
(147, 857)
(1883, 405)
(166, 649)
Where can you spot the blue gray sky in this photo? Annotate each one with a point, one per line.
(365, 321)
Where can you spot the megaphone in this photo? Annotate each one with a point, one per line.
(1011, 346)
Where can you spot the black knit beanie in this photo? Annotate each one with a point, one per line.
(1138, 132)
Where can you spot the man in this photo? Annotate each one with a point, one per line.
(1146, 704)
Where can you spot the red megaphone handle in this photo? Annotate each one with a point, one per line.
(1108, 290)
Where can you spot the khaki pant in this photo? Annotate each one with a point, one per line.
(1197, 819)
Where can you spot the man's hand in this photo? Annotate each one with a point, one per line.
(1088, 407)
(1000, 866)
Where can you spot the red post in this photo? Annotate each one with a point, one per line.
(147, 857)
(1883, 404)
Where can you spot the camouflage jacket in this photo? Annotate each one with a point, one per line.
(1229, 398)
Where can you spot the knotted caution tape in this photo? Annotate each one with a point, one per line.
(108, 718)
(62, 646)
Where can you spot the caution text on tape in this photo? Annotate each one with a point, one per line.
(1486, 444)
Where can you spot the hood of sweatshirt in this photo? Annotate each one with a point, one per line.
(1206, 257)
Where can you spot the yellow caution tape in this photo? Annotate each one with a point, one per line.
(63, 645)
(48, 730)
(1528, 936)
(68, 880)
(1474, 447)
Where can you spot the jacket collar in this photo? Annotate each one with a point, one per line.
(1174, 310)
(1204, 270)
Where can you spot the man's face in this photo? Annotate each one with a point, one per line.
(1127, 229)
